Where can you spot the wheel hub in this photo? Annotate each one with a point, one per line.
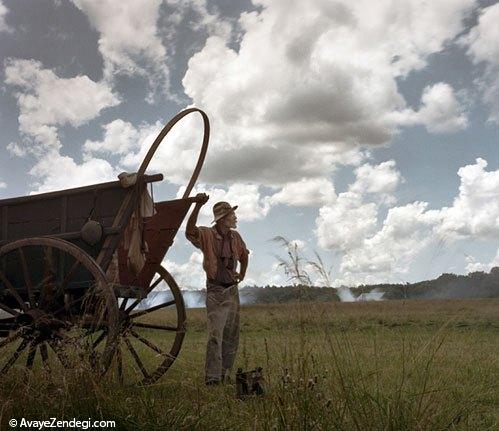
(39, 324)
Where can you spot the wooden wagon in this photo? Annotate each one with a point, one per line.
(60, 307)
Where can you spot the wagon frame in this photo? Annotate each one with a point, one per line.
(56, 296)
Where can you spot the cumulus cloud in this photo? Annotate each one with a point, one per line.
(326, 86)
(124, 139)
(345, 223)
(483, 47)
(3, 185)
(349, 218)
(128, 37)
(472, 265)
(188, 275)
(475, 211)
(383, 178)
(46, 101)
(136, 38)
(440, 111)
(265, 277)
(306, 192)
(3, 13)
(372, 255)
(406, 231)
(69, 173)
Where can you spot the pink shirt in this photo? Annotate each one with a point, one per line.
(209, 242)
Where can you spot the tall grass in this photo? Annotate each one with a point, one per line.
(335, 366)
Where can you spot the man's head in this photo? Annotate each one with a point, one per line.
(224, 215)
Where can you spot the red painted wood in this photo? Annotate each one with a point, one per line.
(160, 231)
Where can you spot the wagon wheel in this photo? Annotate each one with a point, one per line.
(45, 312)
(151, 335)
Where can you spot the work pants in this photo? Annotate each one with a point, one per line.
(222, 308)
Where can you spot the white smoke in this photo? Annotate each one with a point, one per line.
(373, 295)
(346, 295)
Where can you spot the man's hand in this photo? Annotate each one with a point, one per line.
(201, 199)
(238, 277)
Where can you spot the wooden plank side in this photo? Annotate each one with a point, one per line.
(160, 231)
(77, 190)
(30, 219)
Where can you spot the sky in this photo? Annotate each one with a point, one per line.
(363, 131)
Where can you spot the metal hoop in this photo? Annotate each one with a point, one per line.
(164, 132)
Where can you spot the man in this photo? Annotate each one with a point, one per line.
(222, 248)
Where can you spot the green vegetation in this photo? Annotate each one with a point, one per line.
(392, 365)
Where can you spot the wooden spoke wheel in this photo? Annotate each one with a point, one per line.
(54, 300)
(151, 332)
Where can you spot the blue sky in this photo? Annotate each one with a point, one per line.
(364, 131)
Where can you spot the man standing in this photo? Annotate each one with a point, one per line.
(222, 248)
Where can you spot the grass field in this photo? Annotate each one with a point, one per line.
(393, 365)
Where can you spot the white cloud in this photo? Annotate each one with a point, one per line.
(129, 37)
(3, 24)
(475, 211)
(382, 178)
(483, 46)
(440, 111)
(119, 138)
(345, 223)
(406, 231)
(138, 37)
(327, 84)
(16, 149)
(348, 219)
(68, 173)
(3, 185)
(200, 18)
(306, 192)
(472, 265)
(188, 275)
(369, 256)
(263, 277)
(46, 101)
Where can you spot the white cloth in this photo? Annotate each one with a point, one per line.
(146, 204)
(133, 237)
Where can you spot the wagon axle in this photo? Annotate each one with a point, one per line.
(35, 320)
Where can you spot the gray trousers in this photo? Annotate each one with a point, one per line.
(222, 308)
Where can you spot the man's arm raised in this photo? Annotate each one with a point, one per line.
(191, 230)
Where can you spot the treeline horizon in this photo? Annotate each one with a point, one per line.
(478, 284)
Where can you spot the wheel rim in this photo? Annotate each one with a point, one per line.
(151, 334)
(44, 314)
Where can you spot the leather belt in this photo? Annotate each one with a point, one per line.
(219, 283)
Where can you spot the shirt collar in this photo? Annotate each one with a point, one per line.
(217, 235)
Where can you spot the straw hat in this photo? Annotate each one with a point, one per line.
(221, 209)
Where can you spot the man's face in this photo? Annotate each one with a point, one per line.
(230, 220)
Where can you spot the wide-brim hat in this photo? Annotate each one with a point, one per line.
(221, 209)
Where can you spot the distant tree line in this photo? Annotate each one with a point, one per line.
(448, 286)
(474, 285)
